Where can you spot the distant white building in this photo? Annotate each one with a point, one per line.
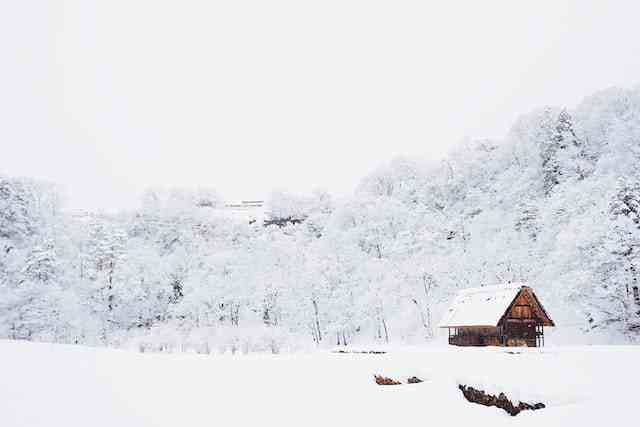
(245, 210)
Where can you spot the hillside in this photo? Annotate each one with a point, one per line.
(555, 204)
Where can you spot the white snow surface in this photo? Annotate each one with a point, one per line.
(60, 385)
(482, 306)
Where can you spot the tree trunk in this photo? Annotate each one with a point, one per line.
(235, 314)
(421, 313)
(386, 331)
(317, 319)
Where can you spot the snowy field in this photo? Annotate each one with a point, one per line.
(58, 385)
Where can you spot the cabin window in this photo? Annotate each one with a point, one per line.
(636, 294)
(522, 312)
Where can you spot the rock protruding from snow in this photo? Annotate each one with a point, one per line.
(501, 401)
(380, 380)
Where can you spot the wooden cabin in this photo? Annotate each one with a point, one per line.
(503, 315)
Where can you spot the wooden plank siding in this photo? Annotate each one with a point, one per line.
(526, 307)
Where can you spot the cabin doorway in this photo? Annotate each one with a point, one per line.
(519, 333)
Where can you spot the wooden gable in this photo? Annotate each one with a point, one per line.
(526, 307)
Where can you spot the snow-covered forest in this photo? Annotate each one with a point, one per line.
(555, 204)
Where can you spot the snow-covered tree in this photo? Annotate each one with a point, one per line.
(556, 203)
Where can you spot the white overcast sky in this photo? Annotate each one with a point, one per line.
(109, 97)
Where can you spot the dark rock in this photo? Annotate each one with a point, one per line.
(380, 380)
(501, 401)
(414, 380)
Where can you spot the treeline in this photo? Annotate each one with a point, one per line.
(556, 204)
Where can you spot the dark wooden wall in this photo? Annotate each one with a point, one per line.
(475, 336)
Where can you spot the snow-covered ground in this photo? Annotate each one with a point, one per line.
(57, 385)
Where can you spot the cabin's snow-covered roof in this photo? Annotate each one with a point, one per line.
(480, 306)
